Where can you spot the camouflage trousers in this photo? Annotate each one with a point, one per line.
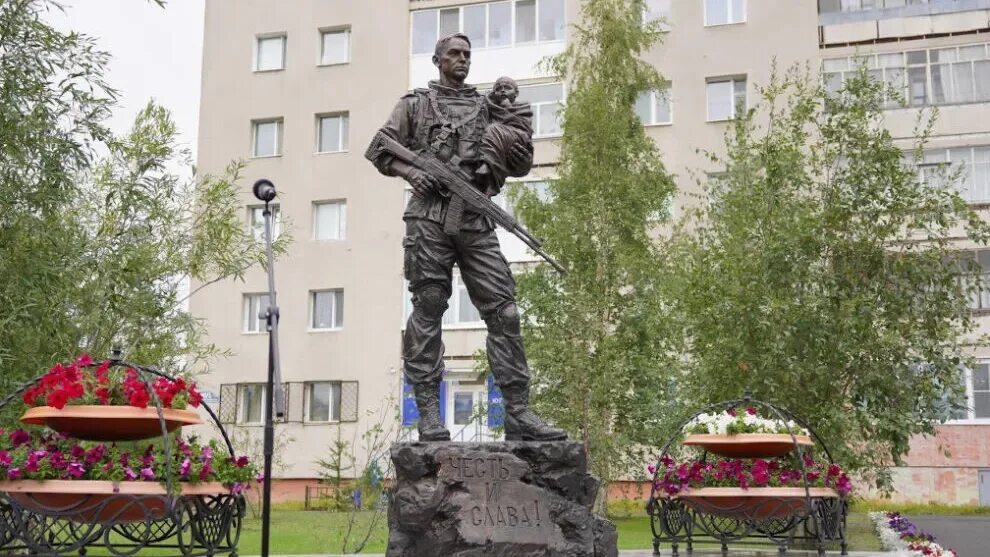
(430, 255)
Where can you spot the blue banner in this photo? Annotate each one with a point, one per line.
(496, 408)
(410, 413)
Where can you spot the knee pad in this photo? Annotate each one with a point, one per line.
(505, 320)
(431, 300)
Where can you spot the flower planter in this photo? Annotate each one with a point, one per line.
(100, 501)
(109, 423)
(755, 503)
(748, 445)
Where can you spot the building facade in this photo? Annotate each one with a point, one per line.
(298, 89)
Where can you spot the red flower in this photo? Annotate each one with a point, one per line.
(84, 361)
(103, 395)
(58, 399)
(195, 398)
(139, 399)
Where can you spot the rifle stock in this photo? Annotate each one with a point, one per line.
(458, 184)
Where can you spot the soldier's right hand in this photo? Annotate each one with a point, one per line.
(422, 183)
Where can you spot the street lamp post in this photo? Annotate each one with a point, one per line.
(264, 190)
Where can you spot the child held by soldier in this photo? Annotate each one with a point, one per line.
(511, 124)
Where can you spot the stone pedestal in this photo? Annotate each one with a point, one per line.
(517, 499)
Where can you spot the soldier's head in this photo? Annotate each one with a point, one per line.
(452, 57)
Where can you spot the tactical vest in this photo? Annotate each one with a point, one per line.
(449, 134)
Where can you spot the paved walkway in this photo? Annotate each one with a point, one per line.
(968, 535)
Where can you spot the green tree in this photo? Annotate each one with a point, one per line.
(98, 234)
(595, 340)
(819, 273)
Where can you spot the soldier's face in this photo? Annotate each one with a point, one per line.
(455, 62)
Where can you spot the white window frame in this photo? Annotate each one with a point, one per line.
(257, 228)
(536, 107)
(331, 408)
(333, 312)
(654, 94)
(346, 31)
(451, 318)
(257, 51)
(341, 220)
(970, 400)
(851, 64)
(730, 21)
(242, 409)
(279, 133)
(968, 190)
(733, 80)
(479, 399)
(343, 139)
(512, 19)
(251, 322)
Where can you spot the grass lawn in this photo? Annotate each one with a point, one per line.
(317, 532)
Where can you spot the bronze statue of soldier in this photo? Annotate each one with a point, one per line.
(449, 120)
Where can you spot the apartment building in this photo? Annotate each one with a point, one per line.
(298, 89)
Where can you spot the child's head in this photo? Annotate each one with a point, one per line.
(505, 91)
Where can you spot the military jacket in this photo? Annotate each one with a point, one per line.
(455, 132)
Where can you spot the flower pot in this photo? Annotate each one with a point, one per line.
(109, 423)
(748, 445)
(100, 501)
(755, 503)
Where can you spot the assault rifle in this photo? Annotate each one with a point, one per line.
(463, 193)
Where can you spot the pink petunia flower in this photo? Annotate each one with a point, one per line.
(76, 470)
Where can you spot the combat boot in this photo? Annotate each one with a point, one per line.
(522, 424)
(428, 402)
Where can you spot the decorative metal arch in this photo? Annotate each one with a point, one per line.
(820, 521)
(192, 525)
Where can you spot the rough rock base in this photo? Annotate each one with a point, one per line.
(515, 499)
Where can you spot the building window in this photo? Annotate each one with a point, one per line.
(267, 138)
(254, 304)
(332, 132)
(269, 53)
(461, 312)
(979, 260)
(323, 401)
(938, 76)
(976, 383)
(547, 102)
(335, 47)
(250, 399)
(463, 407)
(653, 107)
(726, 98)
(328, 310)
(832, 6)
(658, 10)
(330, 220)
(492, 24)
(972, 163)
(257, 220)
(724, 12)
(980, 391)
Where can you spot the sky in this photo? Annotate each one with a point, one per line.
(156, 54)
